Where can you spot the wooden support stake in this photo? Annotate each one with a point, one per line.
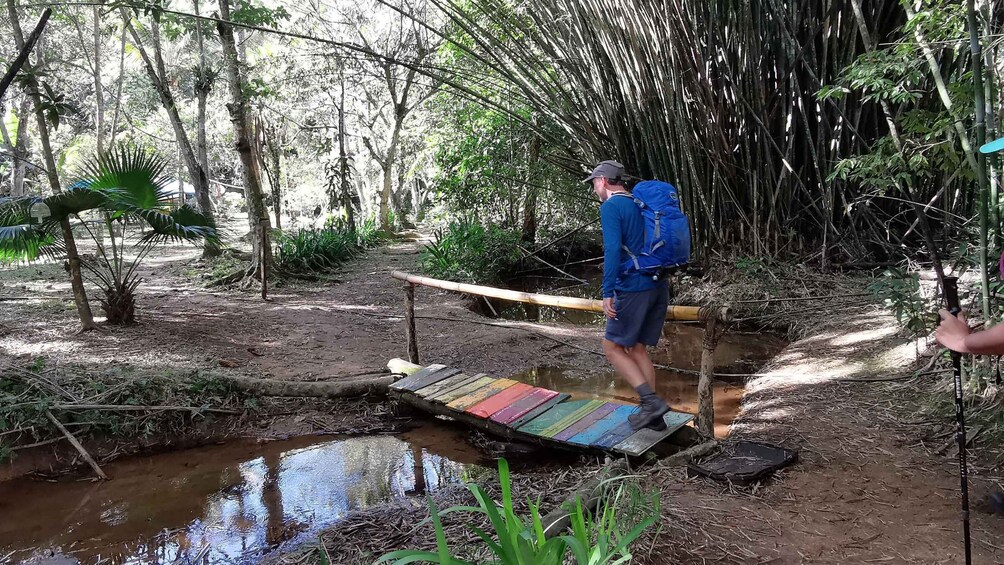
(705, 391)
(409, 321)
(76, 444)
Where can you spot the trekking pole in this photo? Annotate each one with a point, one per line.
(951, 289)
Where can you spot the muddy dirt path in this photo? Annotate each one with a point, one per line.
(868, 488)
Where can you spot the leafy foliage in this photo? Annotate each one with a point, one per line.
(469, 252)
(900, 291)
(306, 252)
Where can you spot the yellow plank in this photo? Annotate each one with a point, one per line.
(465, 402)
(464, 390)
(563, 423)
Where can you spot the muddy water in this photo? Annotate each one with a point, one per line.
(223, 504)
(681, 348)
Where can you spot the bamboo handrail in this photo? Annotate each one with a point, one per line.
(676, 313)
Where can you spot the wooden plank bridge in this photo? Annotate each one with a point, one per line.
(519, 411)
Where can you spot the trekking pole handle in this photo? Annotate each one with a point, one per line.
(951, 289)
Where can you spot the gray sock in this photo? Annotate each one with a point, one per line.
(644, 390)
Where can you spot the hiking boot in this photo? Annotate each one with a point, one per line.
(650, 414)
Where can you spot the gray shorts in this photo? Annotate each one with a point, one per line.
(640, 317)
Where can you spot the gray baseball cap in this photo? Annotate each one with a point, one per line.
(607, 169)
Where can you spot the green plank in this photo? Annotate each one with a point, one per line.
(463, 390)
(549, 417)
(431, 369)
(543, 407)
(642, 440)
(559, 426)
(445, 385)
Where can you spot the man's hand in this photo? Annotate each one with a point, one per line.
(952, 331)
(608, 308)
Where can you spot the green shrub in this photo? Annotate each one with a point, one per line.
(469, 252)
(309, 252)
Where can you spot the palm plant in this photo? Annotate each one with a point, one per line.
(124, 190)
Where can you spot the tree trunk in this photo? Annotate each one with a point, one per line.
(529, 231)
(343, 160)
(257, 215)
(203, 86)
(17, 147)
(99, 95)
(157, 74)
(73, 258)
(275, 178)
(385, 197)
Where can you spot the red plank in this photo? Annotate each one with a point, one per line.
(499, 401)
(521, 407)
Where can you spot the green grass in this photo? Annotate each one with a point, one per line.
(601, 537)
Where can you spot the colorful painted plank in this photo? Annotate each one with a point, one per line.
(532, 414)
(497, 402)
(491, 389)
(445, 385)
(615, 435)
(593, 433)
(585, 421)
(520, 407)
(425, 377)
(640, 441)
(550, 416)
(558, 425)
(463, 390)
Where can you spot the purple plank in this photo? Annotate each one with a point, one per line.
(585, 422)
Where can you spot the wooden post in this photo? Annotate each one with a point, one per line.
(705, 390)
(409, 321)
(264, 262)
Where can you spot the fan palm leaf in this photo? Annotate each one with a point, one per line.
(132, 180)
(181, 224)
(20, 239)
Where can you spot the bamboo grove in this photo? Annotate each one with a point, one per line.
(803, 128)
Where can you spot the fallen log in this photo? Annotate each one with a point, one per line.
(339, 389)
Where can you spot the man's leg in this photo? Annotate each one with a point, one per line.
(624, 363)
(639, 354)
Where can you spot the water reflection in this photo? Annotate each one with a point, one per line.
(227, 504)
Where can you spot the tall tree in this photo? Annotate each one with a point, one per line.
(405, 49)
(72, 256)
(157, 73)
(237, 107)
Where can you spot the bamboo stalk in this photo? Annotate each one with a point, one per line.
(76, 444)
(677, 313)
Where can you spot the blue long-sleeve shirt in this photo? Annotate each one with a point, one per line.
(622, 225)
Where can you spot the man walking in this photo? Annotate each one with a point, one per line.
(634, 303)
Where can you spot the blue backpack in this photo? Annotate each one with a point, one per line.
(667, 230)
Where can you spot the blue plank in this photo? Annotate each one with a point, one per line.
(593, 433)
(617, 434)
